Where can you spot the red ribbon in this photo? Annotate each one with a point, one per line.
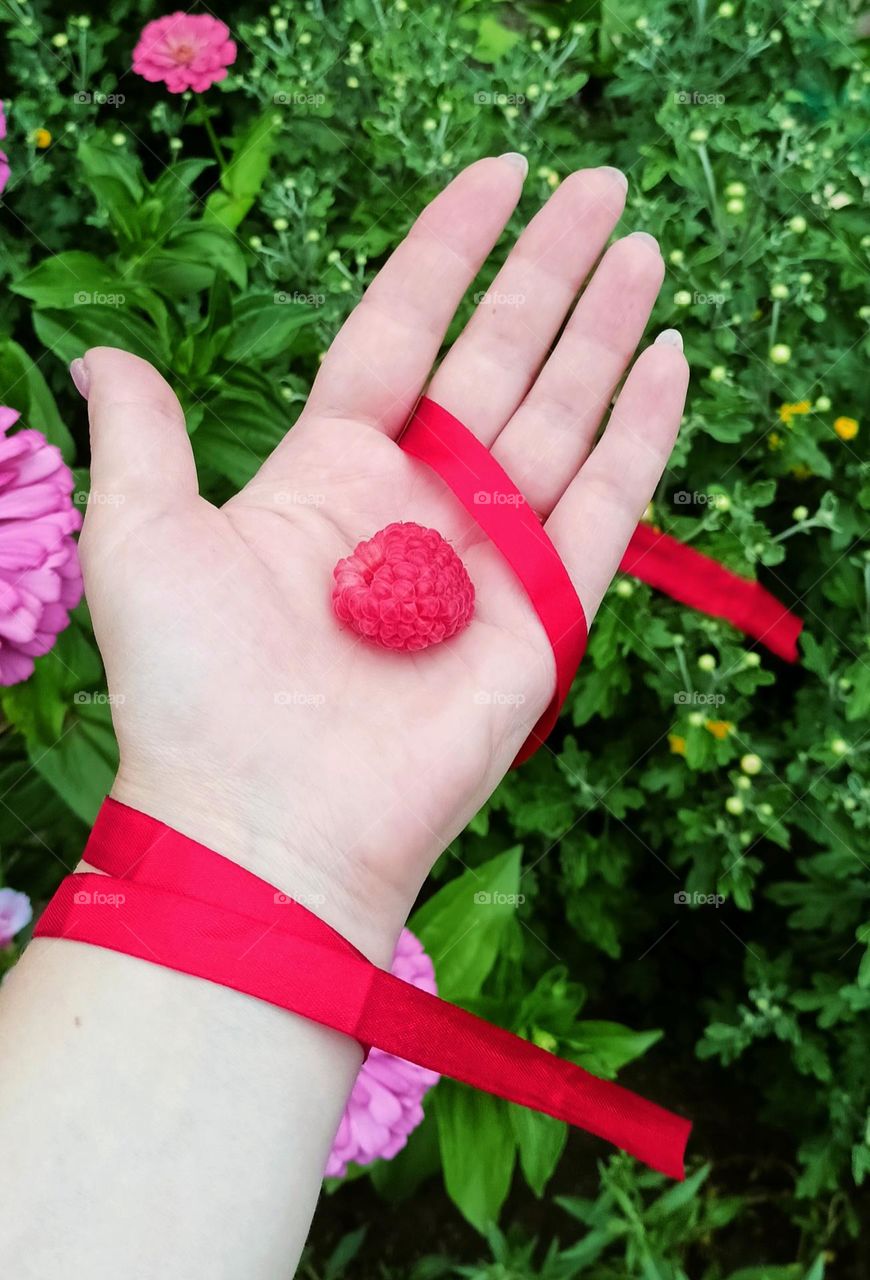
(489, 495)
(173, 902)
(704, 584)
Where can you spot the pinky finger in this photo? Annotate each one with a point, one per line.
(595, 517)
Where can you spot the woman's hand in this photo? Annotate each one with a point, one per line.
(247, 716)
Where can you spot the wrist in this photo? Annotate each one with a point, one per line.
(272, 843)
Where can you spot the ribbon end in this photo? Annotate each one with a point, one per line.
(670, 1157)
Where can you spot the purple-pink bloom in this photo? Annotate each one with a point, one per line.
(186, 50)
(15, 913)
(385, 1104)
(4, 159)
(40, 579)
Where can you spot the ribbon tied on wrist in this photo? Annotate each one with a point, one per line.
(171, 901)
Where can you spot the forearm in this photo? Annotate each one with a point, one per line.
(160, 1124)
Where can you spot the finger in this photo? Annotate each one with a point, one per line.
(492, 364)
(141, 459)
(384, 352)
(551, 433)
(595, 518)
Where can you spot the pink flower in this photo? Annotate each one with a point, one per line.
(385, 1104)
(4, 160)
(40, 579)
(187, 50)
(15, 913)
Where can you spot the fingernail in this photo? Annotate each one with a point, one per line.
(518, 160)
(81, 379)
(615, 173)
(670, 338)
(646, 238)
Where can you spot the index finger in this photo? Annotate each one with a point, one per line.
(377, 365)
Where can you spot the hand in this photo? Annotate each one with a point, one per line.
(247, 717)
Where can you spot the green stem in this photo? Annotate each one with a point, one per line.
(684, 670)
(711, 187)
(83, 59)
(213, 138)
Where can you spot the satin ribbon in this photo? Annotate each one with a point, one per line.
(694, 579)
(173, 902)
(489, 495)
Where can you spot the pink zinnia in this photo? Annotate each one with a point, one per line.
(385, 1105)
(187, 50)
(15, 913)
(40, 579)
(4, 160)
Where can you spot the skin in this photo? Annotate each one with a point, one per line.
(251, 721)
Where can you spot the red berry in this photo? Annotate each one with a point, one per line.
(404, 588)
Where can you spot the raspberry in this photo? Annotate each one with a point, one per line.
(403, 588)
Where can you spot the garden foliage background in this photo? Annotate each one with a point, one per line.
(691, 854)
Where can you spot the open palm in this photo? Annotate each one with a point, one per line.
(247, 716)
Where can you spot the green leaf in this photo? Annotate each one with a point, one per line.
(23, 387)
(68, 280)
(462, 926)
(173, 192)
(493, 40)
(238, 431)
(83, 762)
(478, 1150)
(678, 1196)
(188, 262)
(176, 274)
(541, 1141)
(863, 978)
(70, 334)
(344, 1253)
(243, 178)
(122, 209)
(119, 164)
(604, 1047)
(263, 325)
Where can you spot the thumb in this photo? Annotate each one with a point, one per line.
(141, 459)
